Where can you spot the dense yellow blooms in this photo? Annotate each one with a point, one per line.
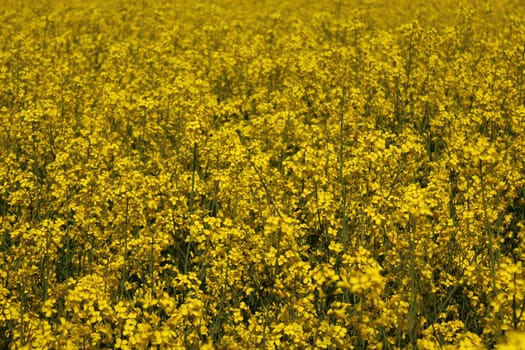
(262, 174)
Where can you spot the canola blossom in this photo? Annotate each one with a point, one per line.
(262, 174)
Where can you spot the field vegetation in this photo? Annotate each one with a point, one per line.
(262, 174)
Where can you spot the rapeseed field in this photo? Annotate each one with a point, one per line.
(262, 174)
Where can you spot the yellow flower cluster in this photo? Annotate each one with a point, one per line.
(274, 174)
